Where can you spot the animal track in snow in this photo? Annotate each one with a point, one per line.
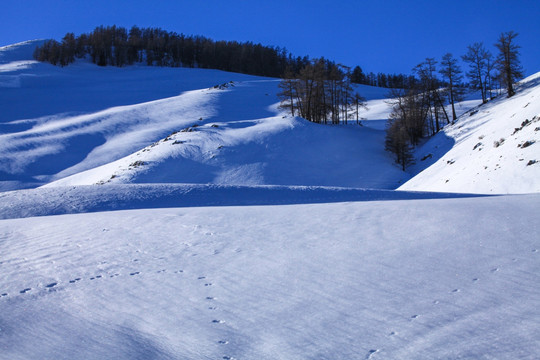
(494, 270)
(456, 290)
(371, 352)
(51, 285)
(223, 342)
(218, 321)
(134, 273)
(25, 290)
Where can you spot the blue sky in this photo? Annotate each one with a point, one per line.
(389, 36)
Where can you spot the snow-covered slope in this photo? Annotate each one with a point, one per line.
(319, 272)
(88, 125)
(494, 148)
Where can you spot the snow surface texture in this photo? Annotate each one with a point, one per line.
(326, 270)
(387, 280)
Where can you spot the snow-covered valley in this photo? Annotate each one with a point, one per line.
(176, 213)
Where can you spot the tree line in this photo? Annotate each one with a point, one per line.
(118, 46)
(400, 81)
(419, 110)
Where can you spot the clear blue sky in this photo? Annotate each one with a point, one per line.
(388, 36)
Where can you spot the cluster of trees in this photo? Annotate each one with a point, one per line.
(320, 92)
(400, 81)
(419, 109)
(117, 46)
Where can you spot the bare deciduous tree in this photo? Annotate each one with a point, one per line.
(508, 62)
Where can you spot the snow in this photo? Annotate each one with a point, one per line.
(134, 110)
(146, 213)
(484, 151)
(326, 281)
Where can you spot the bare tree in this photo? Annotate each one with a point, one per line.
(288, 91)
(397, 142)
(429, 87)
(508, 62)
(451, 72)
(359, 102)
(478, 59)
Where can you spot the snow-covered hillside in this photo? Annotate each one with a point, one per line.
(176, 219)
(494, 148)
(83, 125)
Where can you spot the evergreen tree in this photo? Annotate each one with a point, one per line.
(358, 76)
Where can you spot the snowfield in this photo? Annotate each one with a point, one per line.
(160, 213)
(390, 280)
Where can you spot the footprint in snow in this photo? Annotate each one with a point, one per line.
(475, 279)
(96, 277)
(218, 321)
(371, 352)
(223, 342)
(415, 316)
(3, 294)
(25, 290)
(74, 280)
(134, 273)
(494, 270)
(51, 285)
(456, 290)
